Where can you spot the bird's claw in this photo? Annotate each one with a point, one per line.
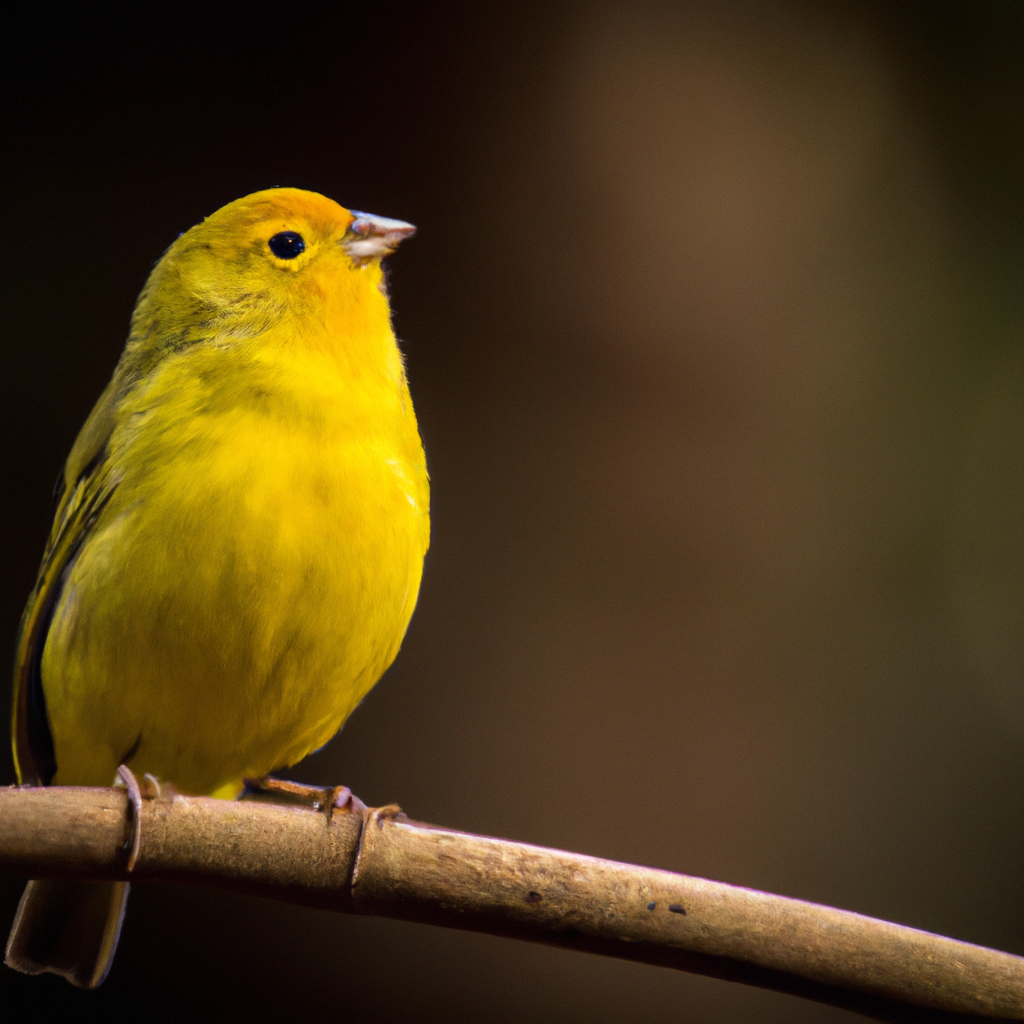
(389, 812)
(133, 823)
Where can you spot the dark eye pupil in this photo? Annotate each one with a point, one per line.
(286, 245)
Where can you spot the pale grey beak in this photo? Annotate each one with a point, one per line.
(369, 237)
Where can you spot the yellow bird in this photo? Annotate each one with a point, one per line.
(238, 539)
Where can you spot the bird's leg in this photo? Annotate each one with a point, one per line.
(327, 799)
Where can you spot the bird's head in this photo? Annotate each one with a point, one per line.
(281, 257)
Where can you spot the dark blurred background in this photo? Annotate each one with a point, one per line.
(714, 328)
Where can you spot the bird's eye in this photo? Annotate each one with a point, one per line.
(286, 245)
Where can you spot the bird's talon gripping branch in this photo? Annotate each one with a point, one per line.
(345, 801)
(133, 838)
(152, 788)
(389, 812)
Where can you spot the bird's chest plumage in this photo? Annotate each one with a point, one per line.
(247, 584)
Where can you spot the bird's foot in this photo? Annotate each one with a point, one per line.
(133, 819)
(150, 788)
(327, 799)
(389, 812)
(153, 788)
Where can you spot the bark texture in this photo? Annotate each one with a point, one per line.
(330, 851)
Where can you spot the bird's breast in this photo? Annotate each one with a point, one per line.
(250, 579)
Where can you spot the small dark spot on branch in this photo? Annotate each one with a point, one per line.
(676, 908)
(533, 897)
(651, 906)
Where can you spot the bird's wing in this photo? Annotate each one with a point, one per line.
(83, 490)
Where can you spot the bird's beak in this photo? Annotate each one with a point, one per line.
(369, 237)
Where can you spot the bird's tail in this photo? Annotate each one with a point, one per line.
(68, 928)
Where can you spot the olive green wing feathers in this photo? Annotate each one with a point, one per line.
(83, 490)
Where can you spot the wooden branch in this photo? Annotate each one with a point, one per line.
(375, 861)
